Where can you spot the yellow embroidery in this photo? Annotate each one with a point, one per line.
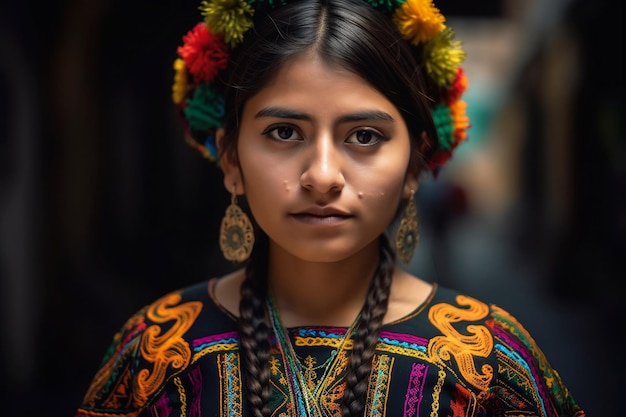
(322, 341)
(183, 397)
(218, 347)
(309, 372)
(475, 341)
(399, 350)
(168, 348)
(437, 392)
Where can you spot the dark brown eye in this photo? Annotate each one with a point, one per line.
(366, 137)
(283, 133)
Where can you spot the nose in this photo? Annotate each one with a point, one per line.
(323, 168)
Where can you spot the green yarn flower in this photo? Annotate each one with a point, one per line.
(205, 109)
(445, 128)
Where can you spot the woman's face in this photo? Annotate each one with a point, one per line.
(323, 157)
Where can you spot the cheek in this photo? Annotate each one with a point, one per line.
(265, 186)
(380, 195)
(382, 180)
(261, 181)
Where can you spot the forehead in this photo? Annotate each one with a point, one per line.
(309, 83)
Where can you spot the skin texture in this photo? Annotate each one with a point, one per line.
(323, 160)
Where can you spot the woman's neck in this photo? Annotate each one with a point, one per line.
(320, 293)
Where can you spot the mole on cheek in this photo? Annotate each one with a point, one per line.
(286, 184)
(360, 194)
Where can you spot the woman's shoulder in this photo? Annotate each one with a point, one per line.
(450, 309)
(448, 305)
(158, 339)
(186, 303)
(493, 337)
(188, 312)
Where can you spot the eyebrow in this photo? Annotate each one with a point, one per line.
(284, 113)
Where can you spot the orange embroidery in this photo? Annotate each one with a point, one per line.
(168, 348)
(477, 341)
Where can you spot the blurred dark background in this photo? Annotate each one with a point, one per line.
(103, 208)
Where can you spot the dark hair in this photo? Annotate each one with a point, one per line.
(352, 35)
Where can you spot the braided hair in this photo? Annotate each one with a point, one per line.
(255, 331)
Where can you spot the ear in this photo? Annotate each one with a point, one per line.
(411, 184)
(229, 166)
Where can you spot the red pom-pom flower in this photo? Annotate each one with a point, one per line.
(458, 87)
(205, 54)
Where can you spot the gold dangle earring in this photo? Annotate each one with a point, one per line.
(408, 232)
(236, 232)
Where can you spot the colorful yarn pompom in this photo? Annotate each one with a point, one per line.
(444, 55)
(419, 21)
(445, 129)
(205, 109)
(438, 160)
(232, 18)
(204, 54)
(460, 121)
(452, 123)
(458, 87)
(179, 89)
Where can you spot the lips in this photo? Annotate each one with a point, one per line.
(321, 215)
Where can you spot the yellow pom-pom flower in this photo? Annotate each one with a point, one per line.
(419, 20)
(179, 88)
(232, 18)
(443, 56)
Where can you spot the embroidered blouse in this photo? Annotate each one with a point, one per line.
(453, 356)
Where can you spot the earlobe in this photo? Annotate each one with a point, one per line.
(411, 183)
(232, 181)
(232, 177)
(410, 186)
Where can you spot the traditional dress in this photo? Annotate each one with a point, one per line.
(453, 356)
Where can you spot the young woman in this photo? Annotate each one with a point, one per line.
(324, 115)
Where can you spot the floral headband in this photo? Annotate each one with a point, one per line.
(206, 49)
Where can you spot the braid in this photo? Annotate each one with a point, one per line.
(366, 337)
(254, 333)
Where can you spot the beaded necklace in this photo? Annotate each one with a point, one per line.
(304, 396)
